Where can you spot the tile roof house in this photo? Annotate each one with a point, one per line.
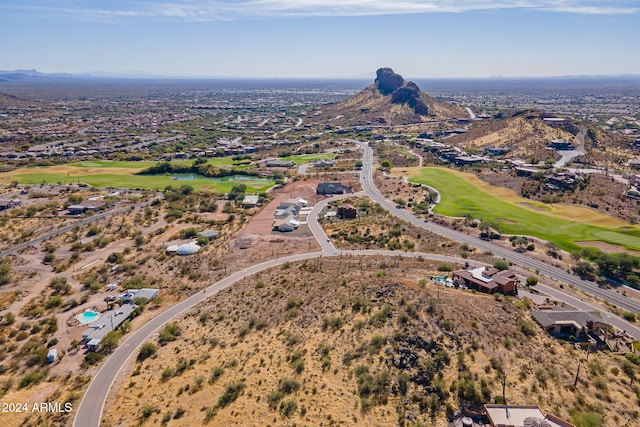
(487, 279)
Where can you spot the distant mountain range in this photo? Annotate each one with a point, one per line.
(33, 74)
(37, 75)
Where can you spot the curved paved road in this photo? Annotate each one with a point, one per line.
(509, 255)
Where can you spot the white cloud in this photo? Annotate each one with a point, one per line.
(212, 10)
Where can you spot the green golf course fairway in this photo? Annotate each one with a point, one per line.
(305, 158)
(140, 165)
(121, 174)
(463, 193)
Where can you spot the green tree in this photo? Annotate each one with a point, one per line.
(237, 192)
(583, 269)
(501, 265)
(110, 341)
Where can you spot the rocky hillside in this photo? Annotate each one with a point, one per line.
(525, 132)
(359, 341)
(391, 100)
(10, 101)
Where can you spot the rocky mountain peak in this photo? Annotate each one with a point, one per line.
(402, 92)
(388, 81)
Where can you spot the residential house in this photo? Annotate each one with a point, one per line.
(146, 293)
(487, 279)
(324, 163)
(497, 151)
(326, 188)
(347, 211)
(467, 160)
(286, 209)
(209, 234)
(285, 224)
(108, 321)
(564, 180)
(280, 164)
(586, 327)
(561, 144)
(88, 205)
(634, 164)
(250, 200)
(521, 416)
(527, 171)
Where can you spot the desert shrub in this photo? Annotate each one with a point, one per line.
(586, 419)
(288, 407)
(231, 393)
(527, 328)
(60, 286)
(332, 322)
(147, 410)
(216, 373)
(274, 398)
(288, 386)
(501, 265)
(92, 358)
(147, 350)
(376, 343)
(167, 373)
(169, 333)
(111, 340)
(445, 266)
(32, 378)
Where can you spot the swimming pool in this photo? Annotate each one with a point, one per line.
(88, 316)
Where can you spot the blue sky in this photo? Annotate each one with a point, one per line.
(322, 38)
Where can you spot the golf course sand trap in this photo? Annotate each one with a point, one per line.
(607, 247)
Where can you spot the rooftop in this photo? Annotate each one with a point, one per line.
(521, 416)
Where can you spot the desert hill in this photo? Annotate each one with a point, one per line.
(358, 341)
(525, 132)
(391, 100)
(10, 101)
